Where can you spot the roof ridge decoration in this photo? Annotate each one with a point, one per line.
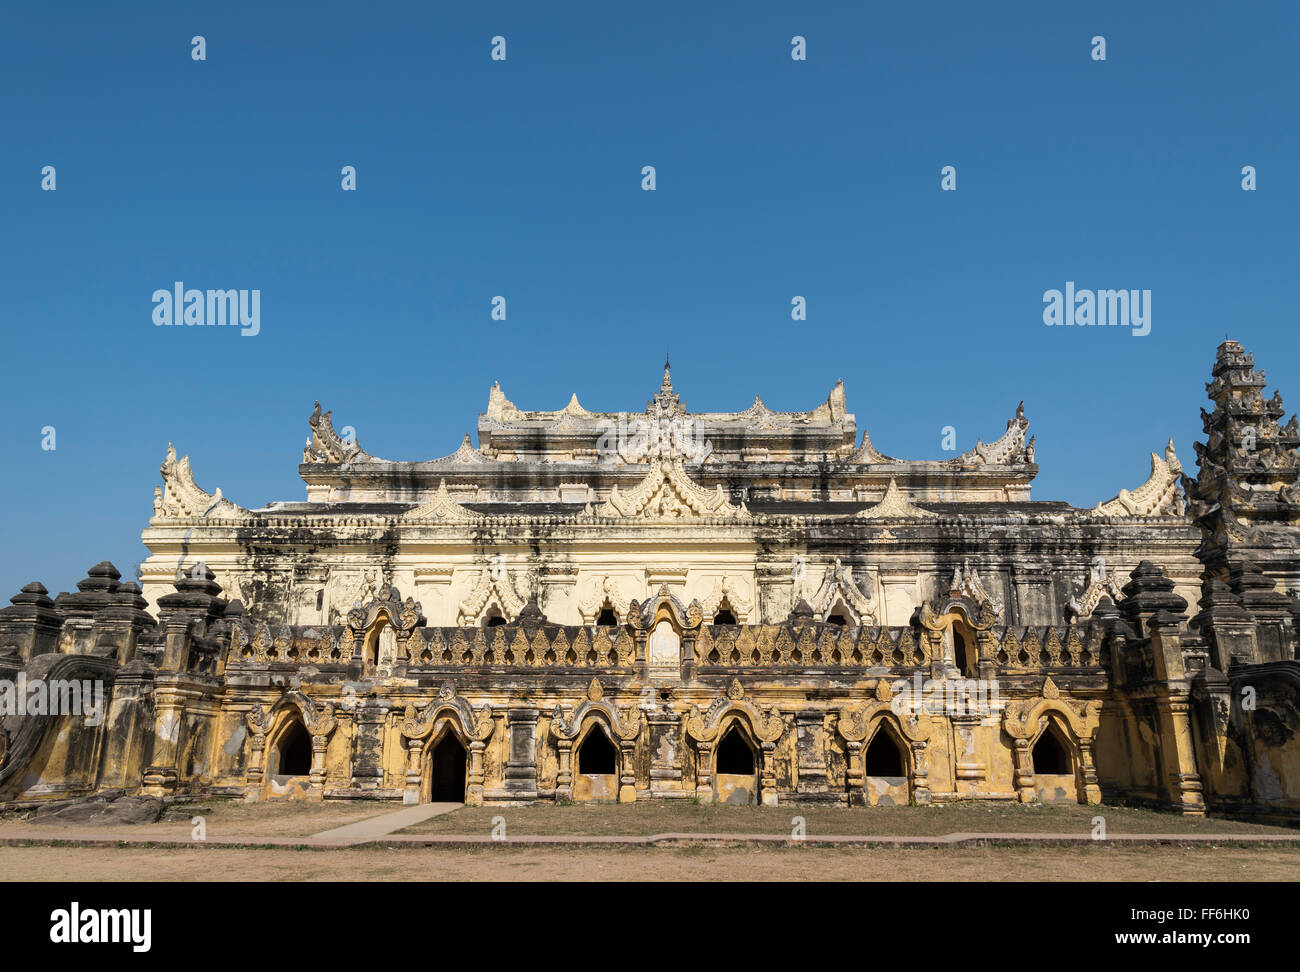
(325, 445)
(442, 507)
(894, 505)
(867, 453)
(668, 493)
(839, 582)
(1010, 448)
(180, 496)
(1159, 495)
(465, 453)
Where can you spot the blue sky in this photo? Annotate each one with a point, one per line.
(522, 178)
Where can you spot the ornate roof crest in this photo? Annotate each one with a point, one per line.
(325, 445)
(1160, 494)
(179, 496)
(1010, 449)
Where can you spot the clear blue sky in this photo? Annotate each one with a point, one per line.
(522, 178)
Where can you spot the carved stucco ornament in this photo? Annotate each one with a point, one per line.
(840, 584)
(443, 508)
(419, 723)
(668, 493)
(1160, 494)
(894, 505)
(180, 496)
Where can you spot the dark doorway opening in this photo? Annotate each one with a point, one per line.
(724, 617)
(607, 618)
(295, 751)
(1049, 755)
(734, 755)
(884, 758)
(837, 619)
(495, 621)
(596, 754)
(959, 651)
(448, 770)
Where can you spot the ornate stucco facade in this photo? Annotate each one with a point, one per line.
(749, 606)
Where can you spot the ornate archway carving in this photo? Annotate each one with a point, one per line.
(1025, 720)
(470, 727)
(623, 728)
(366, 622)
(974, 618)
(265, 724)
(858, 726)
(765, 727)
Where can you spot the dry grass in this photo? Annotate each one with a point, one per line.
(658, 817)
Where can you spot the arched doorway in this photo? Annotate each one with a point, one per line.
(735, 768)
(448, 766)
(884, 767)
(1054, 776)
(292, 753)
(595, 772)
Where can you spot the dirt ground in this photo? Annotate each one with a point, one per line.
(504, 863)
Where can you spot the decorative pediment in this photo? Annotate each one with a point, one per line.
(317, 721)
(867, 453)
(766, 725)
(859, 723)
(495, 584)
(894, 505)
(1159, 495)
(1026, 718)
(1100, 584)
(624, 725)
(668, 493)
(665, 604)
(419, 724)
(179, 496)
(466, 453)
(443, 508)
(603, 589)
(325, 445)
(966, 583)
(387, 603)
(733, 591)
(838, 585)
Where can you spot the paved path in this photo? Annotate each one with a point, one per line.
(364, 831)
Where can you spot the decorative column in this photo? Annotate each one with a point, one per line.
(521, 766)
(665, 764)
(810, 750)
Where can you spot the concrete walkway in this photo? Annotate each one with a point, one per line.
(364, 831)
